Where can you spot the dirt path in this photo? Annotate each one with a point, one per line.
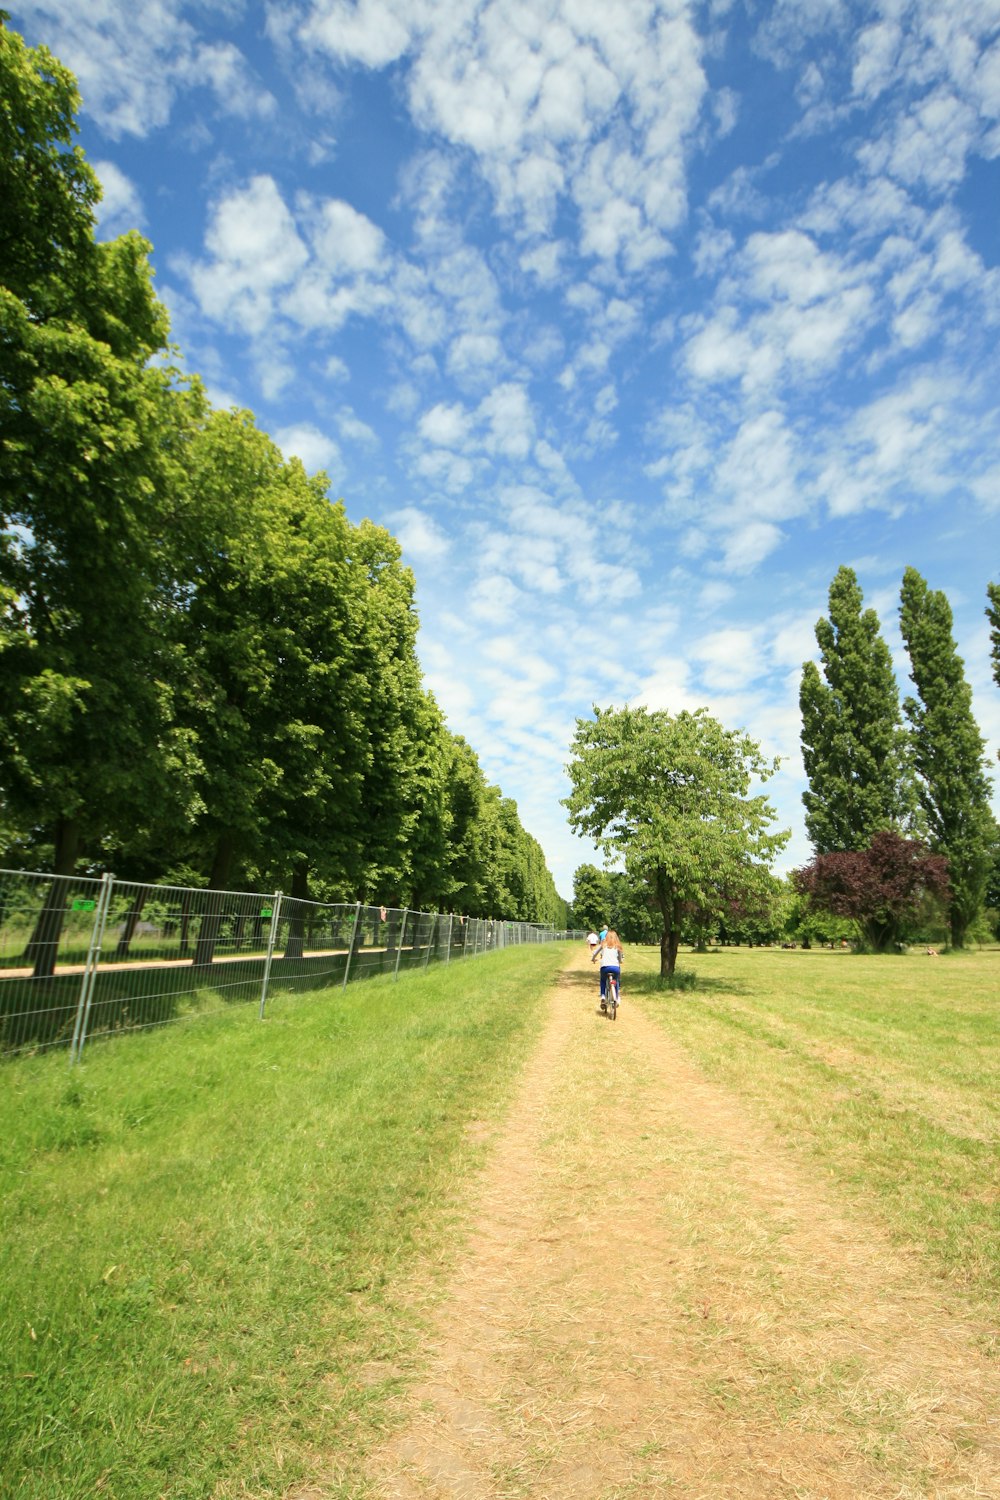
(656, 1298)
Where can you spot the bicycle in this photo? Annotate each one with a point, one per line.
(610, 1002)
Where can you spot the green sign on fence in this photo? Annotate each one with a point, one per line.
(81, 905)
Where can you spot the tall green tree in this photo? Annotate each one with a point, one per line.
(853, 740)
(591, 898)
(93, 461)
(948, 751)
(277, 680)
(670, 797)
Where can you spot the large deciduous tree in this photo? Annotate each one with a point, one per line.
(669, 796)
(948, 751)
(880, 889)
(92, 466)
(853, 741)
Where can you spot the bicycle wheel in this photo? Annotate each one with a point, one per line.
(612, 998)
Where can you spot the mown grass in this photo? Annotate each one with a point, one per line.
(886, 1071)
(204, 1232)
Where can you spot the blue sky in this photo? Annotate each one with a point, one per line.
(632, 321)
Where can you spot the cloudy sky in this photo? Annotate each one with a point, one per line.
(633, 321)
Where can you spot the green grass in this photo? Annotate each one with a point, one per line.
(205, 1232)
(883, 1071)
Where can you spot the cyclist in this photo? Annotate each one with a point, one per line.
(609, 951)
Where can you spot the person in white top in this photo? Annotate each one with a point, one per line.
(592, 942)
(609, 951)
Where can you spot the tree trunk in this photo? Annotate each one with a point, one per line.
(881, 936)
(132, 921)
(294, 945)
(43, 944)
(669, 943)
(670, 940)
(211, 922)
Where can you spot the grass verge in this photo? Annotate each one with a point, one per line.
(885, 1070)
(202, 1232)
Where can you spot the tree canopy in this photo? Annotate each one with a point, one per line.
(669, 797)
(880, 889)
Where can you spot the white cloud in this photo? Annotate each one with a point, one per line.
(475, 356)
(255, 251)
(345, 242)
(121, 207)
(132, 62)
(745, 547)
(507, 410)
(368, 32)
(353, 430)
(316, 449)
(445, 426)
(729, 658)
(419, 535)
(530, 92)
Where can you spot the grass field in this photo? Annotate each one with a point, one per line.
(207, 1233)
(885, 1071)
(202, 1231)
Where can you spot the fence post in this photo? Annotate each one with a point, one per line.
(430, 935)
(350, 951)
(272, 938)
(90, 968)
(399, 945)
(447, 955)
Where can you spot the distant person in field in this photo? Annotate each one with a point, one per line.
(609, 951)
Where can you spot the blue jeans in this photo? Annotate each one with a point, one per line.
(607, 969)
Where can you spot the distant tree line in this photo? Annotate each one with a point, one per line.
(898, 802)
(207, 673)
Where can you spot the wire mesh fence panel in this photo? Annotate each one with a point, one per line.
(83, 958)
(47, 927)
(172, 953)
(377, 941)
(312, 946)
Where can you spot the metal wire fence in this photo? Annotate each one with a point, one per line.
(82, 958)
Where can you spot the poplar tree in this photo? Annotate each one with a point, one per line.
(853, 740)
(948, 751)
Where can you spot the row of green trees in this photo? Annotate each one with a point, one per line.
(898, 806)
(206, 671)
